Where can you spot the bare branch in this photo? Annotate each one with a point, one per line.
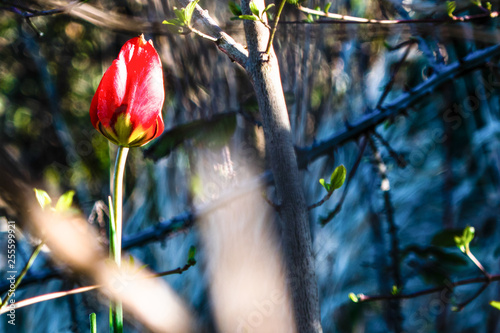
(448, 285)
(338, 18)
(398, 106)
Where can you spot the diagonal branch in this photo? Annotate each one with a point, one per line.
(398, 106)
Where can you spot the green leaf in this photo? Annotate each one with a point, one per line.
(235, 8)
(488, 6)
(325, 185)
(43, 198)
(180, 13)
(460, 243)
(143, 267)
(175, 22)
(189, 11)
(327, 7)
(353, 297)
(450, 7)
(191, 254)
(469, 234)
(395, 290)
(254, 9)
(463, 241)
(337, 178)
(268, 7)
(65, 201)
(495, 304)
(212, 133)
(248, 17)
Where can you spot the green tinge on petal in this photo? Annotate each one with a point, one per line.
(123, 129)
(124, 134)
(108, 133)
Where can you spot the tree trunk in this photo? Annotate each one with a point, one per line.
(264, 72)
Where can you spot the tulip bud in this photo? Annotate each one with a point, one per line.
(126, 107)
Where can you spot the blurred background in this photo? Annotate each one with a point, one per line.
(426, 173)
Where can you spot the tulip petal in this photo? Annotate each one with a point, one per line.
(145, 91)
(127, 105)
(110, 94)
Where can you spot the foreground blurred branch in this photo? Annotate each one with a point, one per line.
(59, 294)
(160, 230)
(80, 250)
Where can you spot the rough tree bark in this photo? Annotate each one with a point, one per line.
(264, 73)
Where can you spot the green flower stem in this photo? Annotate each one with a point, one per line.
(115, 237)
(93, 323)
(32, 258)
(121, 159)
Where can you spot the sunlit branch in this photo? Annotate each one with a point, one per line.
(338, 18)
(203, 35)
(477, 263)
(224, 42)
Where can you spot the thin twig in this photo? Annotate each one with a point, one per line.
(32, 258)
(393, 231)
(477, 263)
(323, 220)
(462, 305)
(203, 35)
(322, 201)
(59, 294)
(392, 79)
(400, 160)
(448, 285)
(410, 41)
(27, 13)
(359, 20)
(275, 26)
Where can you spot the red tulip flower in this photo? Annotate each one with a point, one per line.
(126, 107)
